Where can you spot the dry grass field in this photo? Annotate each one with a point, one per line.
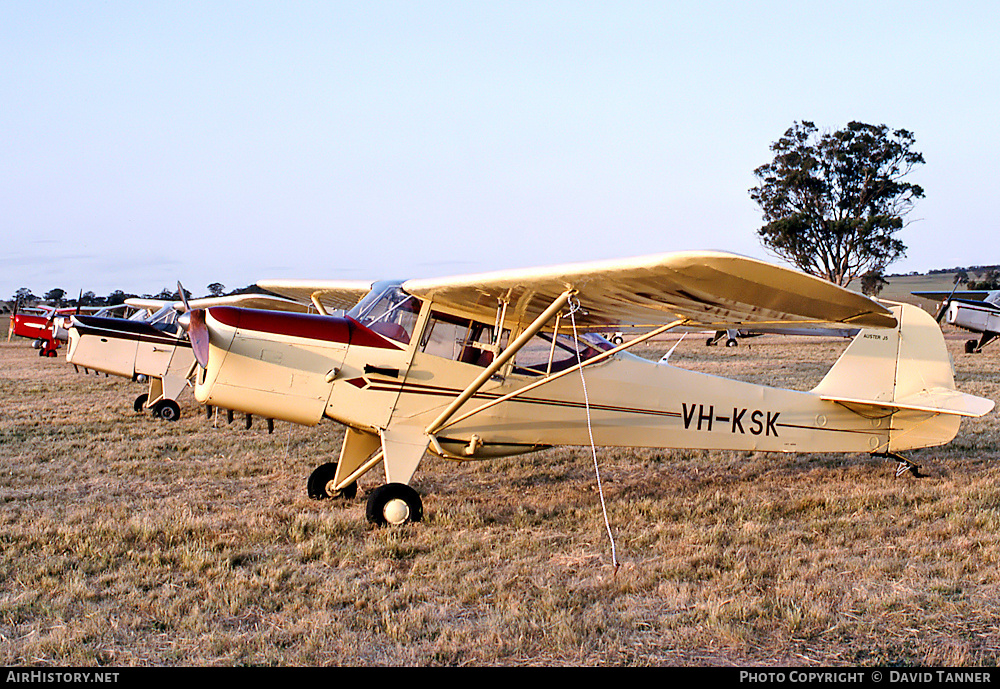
(133, 541)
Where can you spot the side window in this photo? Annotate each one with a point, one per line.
(458, 339)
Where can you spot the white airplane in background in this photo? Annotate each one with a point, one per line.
(481, 366)
(977, 311)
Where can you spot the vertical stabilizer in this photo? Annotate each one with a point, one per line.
(905, 372)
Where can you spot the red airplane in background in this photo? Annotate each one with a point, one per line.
(43, 325)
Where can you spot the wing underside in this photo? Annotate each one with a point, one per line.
(710, 289)
(333, 295)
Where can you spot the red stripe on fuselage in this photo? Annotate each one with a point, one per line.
(306, 325)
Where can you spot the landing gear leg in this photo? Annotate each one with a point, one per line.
(321, 484)
(904, 465)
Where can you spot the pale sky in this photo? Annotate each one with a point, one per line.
(149, 142)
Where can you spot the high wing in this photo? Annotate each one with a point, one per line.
(709, 289)
(153, 305)
(325, 295)
(968, 295)
(249, 301)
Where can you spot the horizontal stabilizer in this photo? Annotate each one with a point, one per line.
(936, 400)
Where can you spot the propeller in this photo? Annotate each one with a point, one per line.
(193, 322)
(10, 323)
(944, 305)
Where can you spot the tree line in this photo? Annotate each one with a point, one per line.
(58, 296)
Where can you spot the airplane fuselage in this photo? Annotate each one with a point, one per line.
(302, 368)
(129, 349)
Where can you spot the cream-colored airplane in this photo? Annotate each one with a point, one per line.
(503, 363)
(149, 346)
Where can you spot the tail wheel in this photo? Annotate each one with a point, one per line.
(320, 485)
(394, 504)
(167, 409)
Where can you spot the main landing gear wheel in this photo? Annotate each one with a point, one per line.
(320, 484)
(970, 346)
(167, 409)
(394, 504)
(140, 402)
(731, 342)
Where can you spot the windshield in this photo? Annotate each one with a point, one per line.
(165, 319)
(389, 311)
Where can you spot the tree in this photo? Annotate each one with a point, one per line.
(872, 283)
(833, 202)
(55, 295)
(216, 289)
(990, 281)
(24, 296)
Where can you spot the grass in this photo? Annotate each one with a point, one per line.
(132, 541)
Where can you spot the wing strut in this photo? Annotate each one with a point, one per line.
(314, 298)
(505, 356)
(548, 379)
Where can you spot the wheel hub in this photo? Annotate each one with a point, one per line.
(396, 511)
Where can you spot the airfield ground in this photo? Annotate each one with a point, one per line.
(133, 541)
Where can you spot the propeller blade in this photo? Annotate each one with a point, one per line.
(198, 334)
(180, 291)
(78, 300)
(944, 305)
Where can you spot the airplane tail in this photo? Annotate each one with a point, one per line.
(906, 373)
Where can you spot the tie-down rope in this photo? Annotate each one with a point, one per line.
(574, 305)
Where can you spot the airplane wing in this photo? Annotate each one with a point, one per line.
(710, 289)
(153, 305)
(969, 294)
(249, 301)
(332, 294)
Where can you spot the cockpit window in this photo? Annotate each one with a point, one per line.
(165, 319)
(459, 339)
(389, 311)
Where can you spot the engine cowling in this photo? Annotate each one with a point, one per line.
(275, 364)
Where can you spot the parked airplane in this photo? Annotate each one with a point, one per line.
(504, 363)
(734, 335)
(38, 324)
(977, 311)
(150, 347)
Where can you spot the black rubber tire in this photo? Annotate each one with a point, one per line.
(394, 496)
(167, 410)
(140, 402)
(320, 480)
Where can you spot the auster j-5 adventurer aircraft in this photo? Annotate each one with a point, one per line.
(504, 363)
